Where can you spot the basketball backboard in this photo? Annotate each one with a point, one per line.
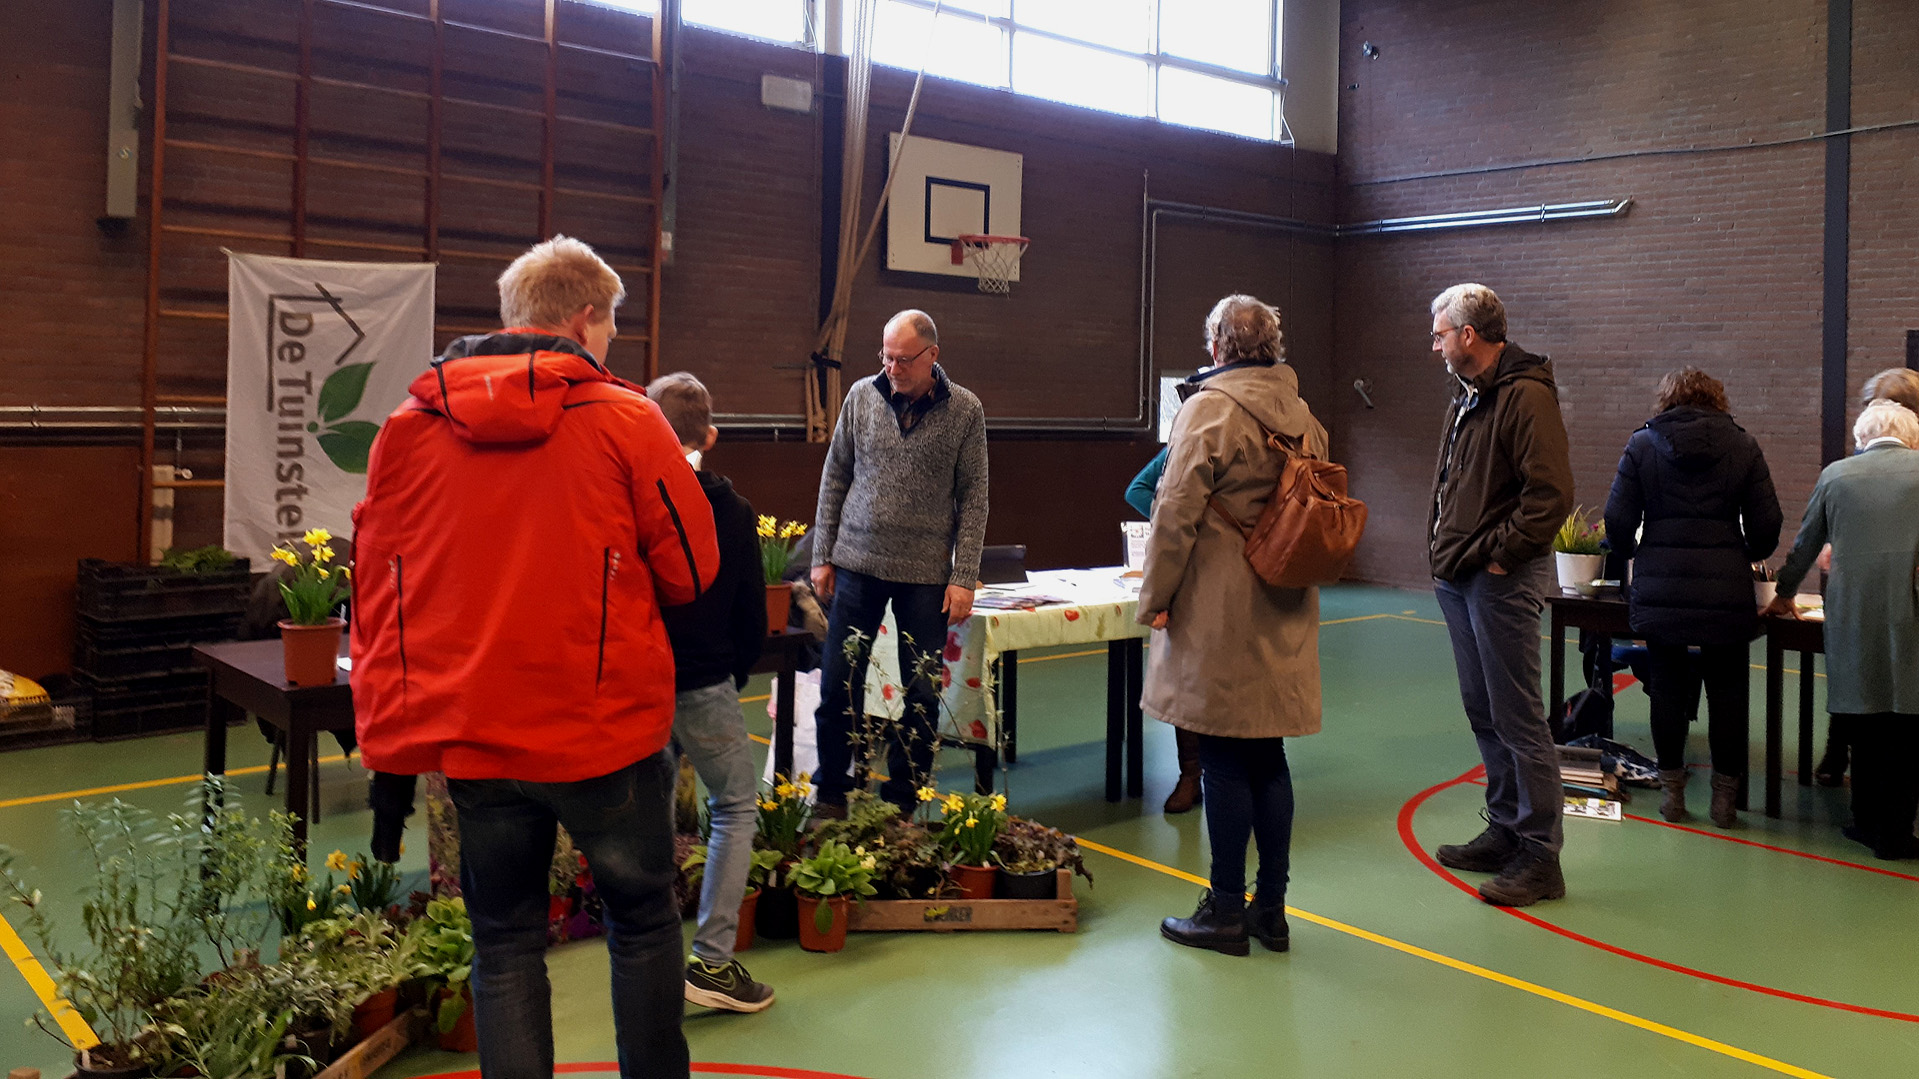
(945, 190)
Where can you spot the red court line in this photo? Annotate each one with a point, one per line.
(760, 1070)
(1751, 843)
(1412, 844)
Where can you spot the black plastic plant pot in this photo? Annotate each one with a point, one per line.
(1043, 884)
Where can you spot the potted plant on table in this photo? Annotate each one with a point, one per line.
(776, 552)
(971, 822)
(1579, 550)
(827, 883)
(313, 589)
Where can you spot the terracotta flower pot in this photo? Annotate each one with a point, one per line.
(834, 938)
(749, 909)
(465, 1036)
(779, 604)
(374, 1013)
(311, 651)
(974, 881)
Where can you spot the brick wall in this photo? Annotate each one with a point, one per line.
(740, 300)
(1718, 264)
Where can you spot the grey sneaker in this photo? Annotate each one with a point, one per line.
(727, 986)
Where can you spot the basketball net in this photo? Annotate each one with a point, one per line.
(994, 258)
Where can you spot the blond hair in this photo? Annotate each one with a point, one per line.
(554, 281)
(687, 405)
(1886, 418)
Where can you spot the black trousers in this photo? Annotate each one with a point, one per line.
(1885, 778)
(1676, 675)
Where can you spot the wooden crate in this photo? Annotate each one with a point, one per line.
(375, 1052)
(1060, 913)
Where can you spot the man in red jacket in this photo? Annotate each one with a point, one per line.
(527, 514)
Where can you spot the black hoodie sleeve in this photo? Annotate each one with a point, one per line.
(747, 620)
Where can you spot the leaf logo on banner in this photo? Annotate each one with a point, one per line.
(346, 442)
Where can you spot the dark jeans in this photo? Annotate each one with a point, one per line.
(622, 822)
(1885, 777)
(1249, 795)
(859, 605)
(1676, 675)
(1493, 620)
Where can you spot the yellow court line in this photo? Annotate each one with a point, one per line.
(1357, 618)
(1490, 975)
(76, 1028)
(146, 784)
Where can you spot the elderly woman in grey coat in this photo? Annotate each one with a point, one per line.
(1233, 659)
(1867, 507)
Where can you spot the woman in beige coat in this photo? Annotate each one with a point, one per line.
(1233, 659)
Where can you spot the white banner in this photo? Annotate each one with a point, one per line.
(318, 354)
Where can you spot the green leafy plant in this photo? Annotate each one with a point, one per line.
(783, 810)
(161, 890)
(373, 884)
(445, 957)
(198, 559)
(776, 546)
(1027, 846)
(971, 823)
(317, 584)
(764, 870)
(234, 1027)
(1580, 534)
(836, 870)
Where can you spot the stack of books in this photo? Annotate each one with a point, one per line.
(1586, 774)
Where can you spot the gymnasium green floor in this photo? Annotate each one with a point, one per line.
(1778, 947)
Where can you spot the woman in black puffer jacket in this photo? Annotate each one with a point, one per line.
(1699, 484)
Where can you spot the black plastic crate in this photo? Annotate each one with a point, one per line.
(130, 707)
(108, 591)
(61, 720)
(107, 650)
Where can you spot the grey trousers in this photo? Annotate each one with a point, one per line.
(1493, 620)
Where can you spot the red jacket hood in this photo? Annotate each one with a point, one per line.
(507, 387)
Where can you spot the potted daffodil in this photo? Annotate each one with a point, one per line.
(313, 587)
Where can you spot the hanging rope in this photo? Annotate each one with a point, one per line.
(823, 383)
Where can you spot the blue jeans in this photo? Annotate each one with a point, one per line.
(622, 823)
(1493, 620)
(1249, 795)
(859, 605)
(709, 729)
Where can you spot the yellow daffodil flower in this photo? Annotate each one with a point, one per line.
(346, 572)
(353, 869)
(317, 537)
(324, 554)
(336, 860)
(322, 571)
(281, 554)
(766, 526)
(311, 905)
(999, 803)
(297, 872)
(954, 803)
(343, 889)
(927, 794)
(784, 790)
(972, 822)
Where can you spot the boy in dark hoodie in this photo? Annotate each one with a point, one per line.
(716, 640)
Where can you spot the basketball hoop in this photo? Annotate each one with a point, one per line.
(995, 257)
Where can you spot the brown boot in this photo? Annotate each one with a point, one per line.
(1672, 781)
(1186, 793)
(1725, 796)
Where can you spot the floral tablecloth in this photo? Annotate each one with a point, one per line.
(1099, 606)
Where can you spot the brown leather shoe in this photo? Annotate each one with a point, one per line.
(1186, 793)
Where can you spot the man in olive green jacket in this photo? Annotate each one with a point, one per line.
(1502, 487)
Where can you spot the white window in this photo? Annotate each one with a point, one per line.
(1210, 64)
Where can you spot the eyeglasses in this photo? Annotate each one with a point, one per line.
(897, 361)
(1440, 335)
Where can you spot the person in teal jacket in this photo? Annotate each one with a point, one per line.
(1867, 507)
(1186, 793)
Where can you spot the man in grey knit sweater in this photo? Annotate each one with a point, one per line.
(902, 516)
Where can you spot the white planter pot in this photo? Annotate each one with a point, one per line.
(1764, 591)
(1578, 569)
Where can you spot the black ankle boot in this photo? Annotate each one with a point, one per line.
(1267, 923)
(1531, 876)
(1209, 928)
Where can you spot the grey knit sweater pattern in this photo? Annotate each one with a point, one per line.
(906, 507)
